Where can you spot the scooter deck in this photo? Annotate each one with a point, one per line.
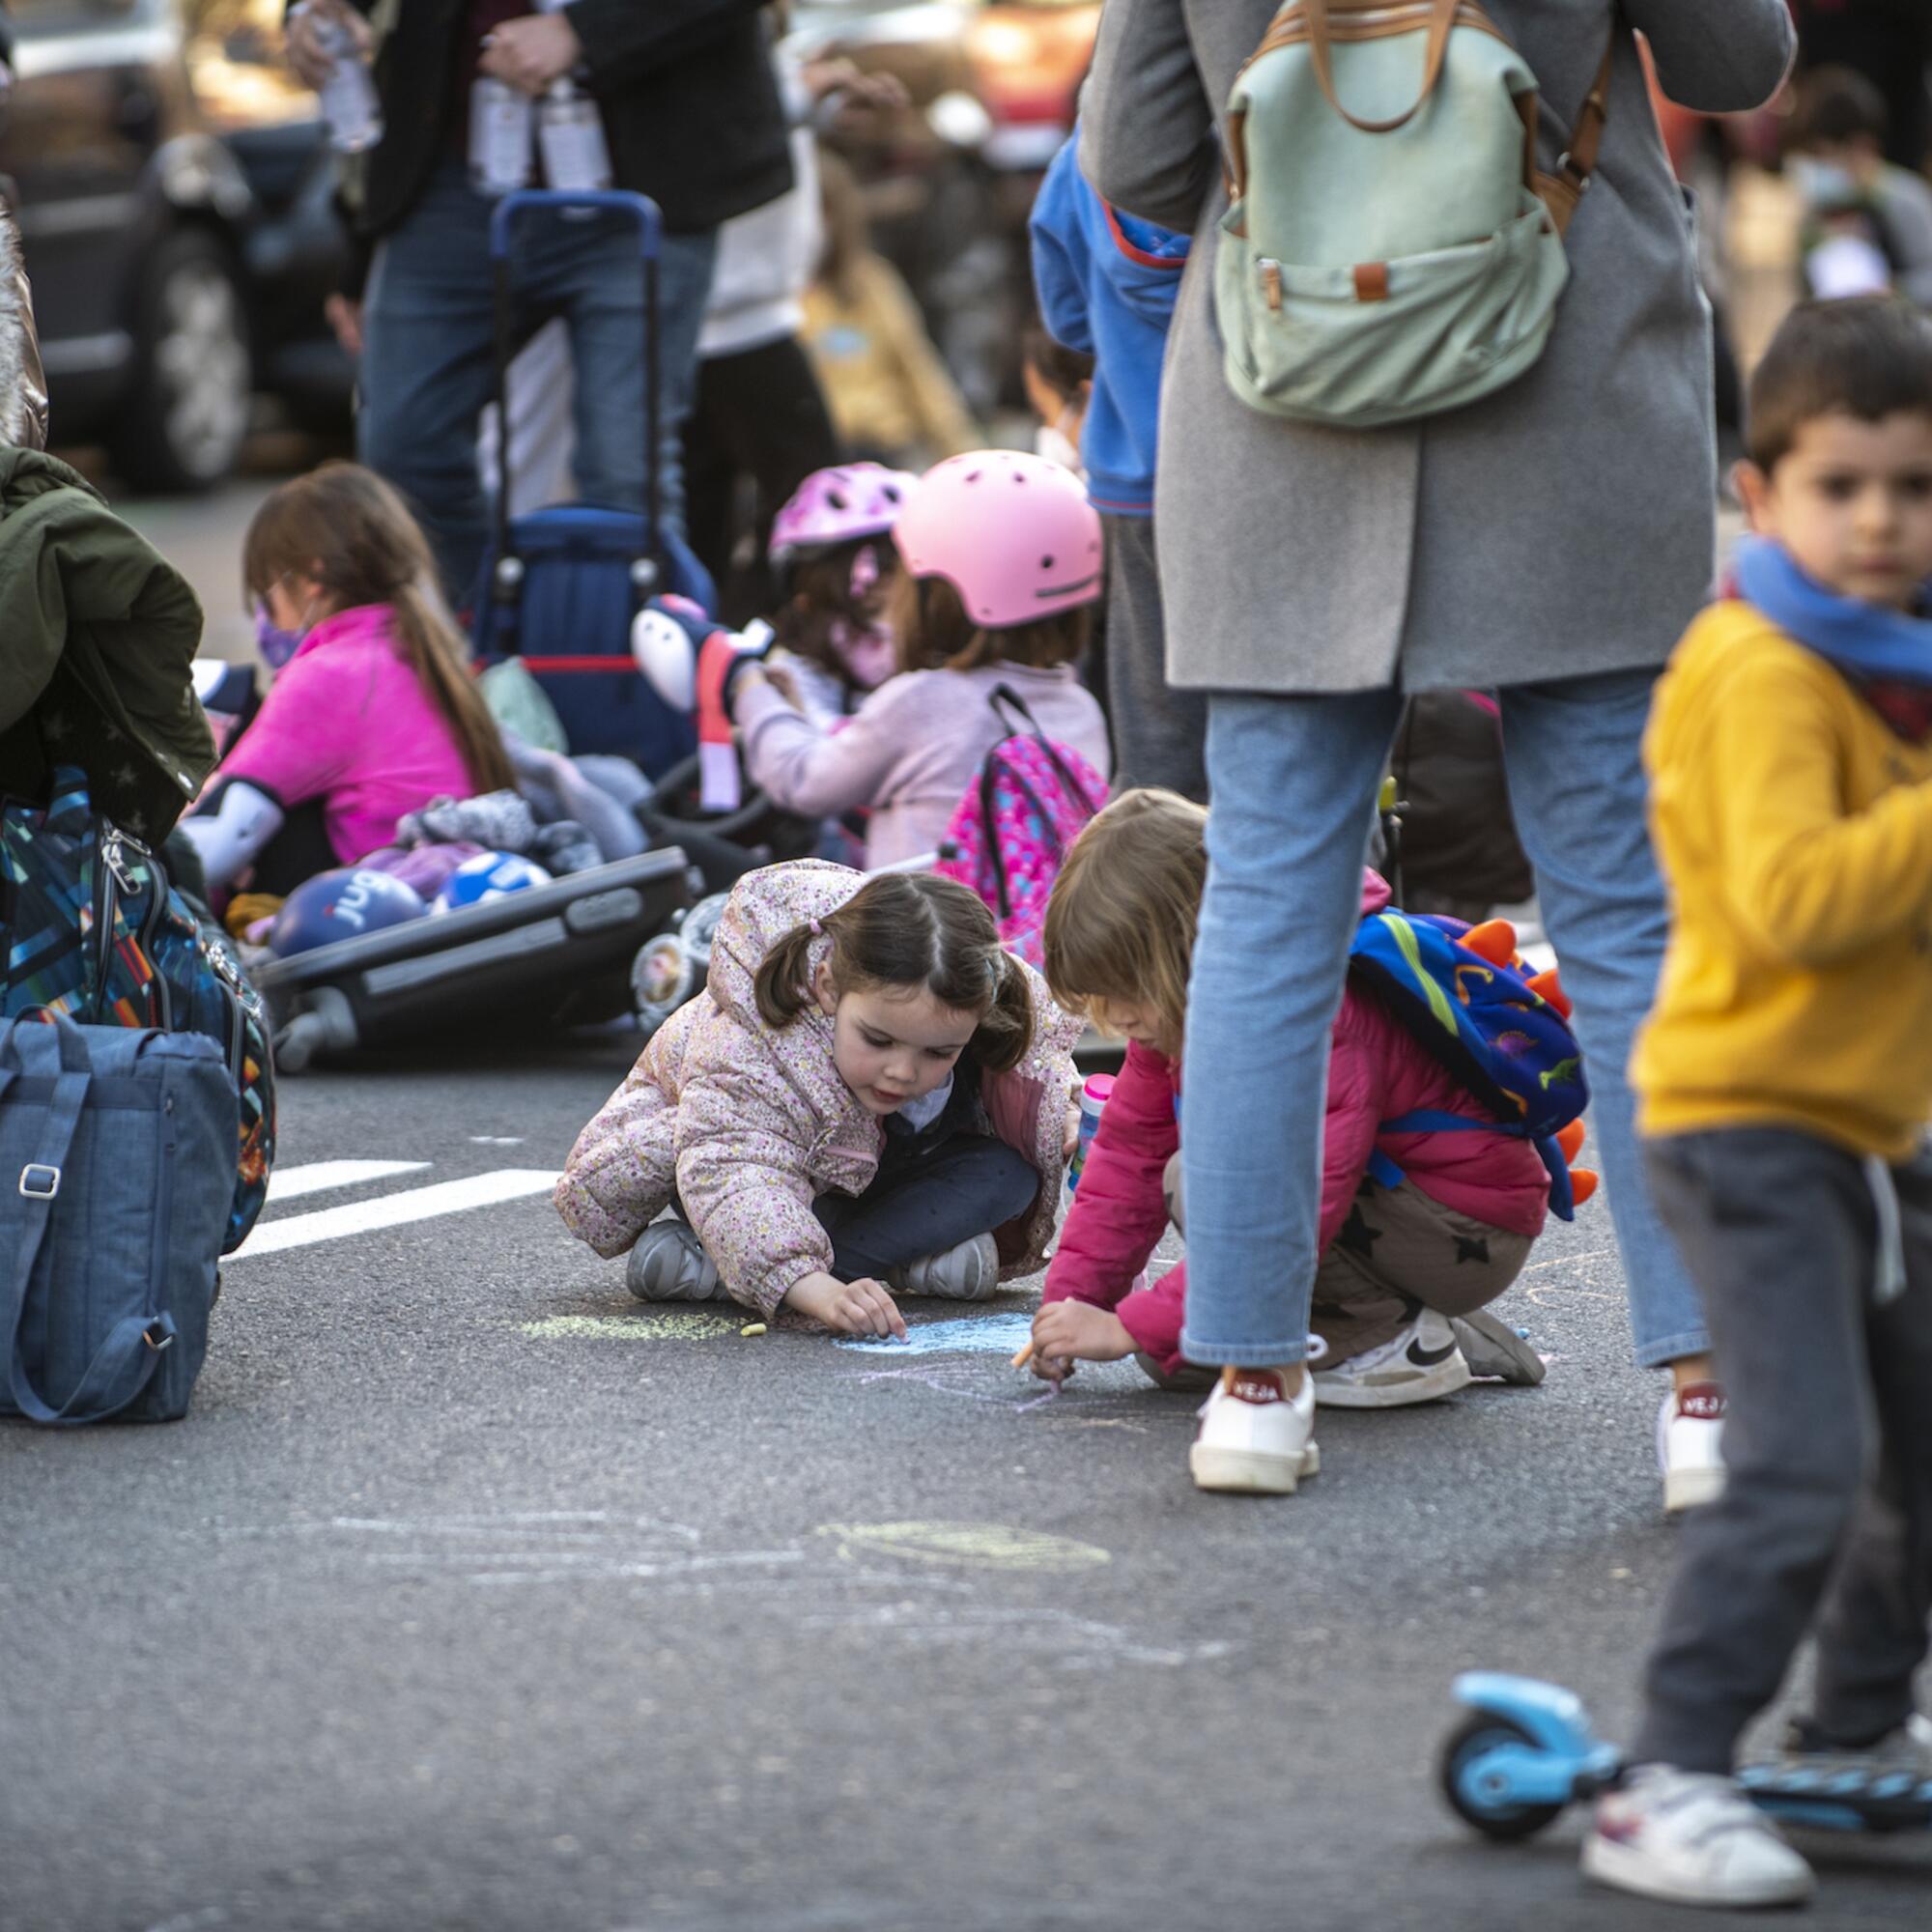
(1840, 1801)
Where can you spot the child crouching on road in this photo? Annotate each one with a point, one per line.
(1403, 1251)
(871, 1096)
(1783, 1084)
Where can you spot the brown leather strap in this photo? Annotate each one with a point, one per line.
(1563, 190)
(1441, 18)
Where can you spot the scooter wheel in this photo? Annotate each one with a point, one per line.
(1463, 1784)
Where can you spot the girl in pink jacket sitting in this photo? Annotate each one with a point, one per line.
(1000, 557)
(372, 713)
(871, 1096)
(1407, 1258)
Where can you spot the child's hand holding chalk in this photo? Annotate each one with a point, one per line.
(1064, 1332)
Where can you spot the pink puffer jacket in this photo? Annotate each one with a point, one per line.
(748, 1123)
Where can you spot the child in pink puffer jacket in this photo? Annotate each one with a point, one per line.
(870, 1096)
(1403, 1251)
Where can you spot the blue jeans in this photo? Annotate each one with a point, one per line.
(1293, 782)
(427, 355)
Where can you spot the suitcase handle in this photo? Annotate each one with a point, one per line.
(508, 577)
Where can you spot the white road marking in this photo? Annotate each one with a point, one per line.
(291, 1183)
(395, 1210)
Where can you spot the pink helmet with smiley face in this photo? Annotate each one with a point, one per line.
(836, 506)
(1011, 533)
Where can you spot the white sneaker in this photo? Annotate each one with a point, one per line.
(1690, 1446)
(1255, 1438)
(670, 1264)
(1694, 1840)
(969, 1272)
(1421, 1364)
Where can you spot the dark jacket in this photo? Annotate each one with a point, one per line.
(101, 632)
(691, 105)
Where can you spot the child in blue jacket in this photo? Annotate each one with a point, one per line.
(1106, 282)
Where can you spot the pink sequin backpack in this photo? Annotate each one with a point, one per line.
(1018, 822)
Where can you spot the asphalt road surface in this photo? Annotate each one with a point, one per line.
(472, 1594)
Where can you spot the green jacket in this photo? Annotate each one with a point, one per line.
(97, 632)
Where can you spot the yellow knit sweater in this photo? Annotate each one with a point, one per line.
(1795, 829)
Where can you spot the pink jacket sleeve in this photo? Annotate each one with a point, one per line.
(817, 773)
(1152, 1316)
(1120, 1208)
(1356, 1091)
(300, 744)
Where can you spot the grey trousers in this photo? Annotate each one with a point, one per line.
(1160, 735)
(1826, 1519)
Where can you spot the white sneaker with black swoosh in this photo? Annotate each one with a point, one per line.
(1421, 1364)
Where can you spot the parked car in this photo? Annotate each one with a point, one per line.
(164, 277)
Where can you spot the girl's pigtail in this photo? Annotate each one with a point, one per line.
(1005, 1031)
(783, 980)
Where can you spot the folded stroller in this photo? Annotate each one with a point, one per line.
(559, 587)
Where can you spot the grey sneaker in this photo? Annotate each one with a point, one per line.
(670, 1264)
(969, 1272)
(1493, 1349)
(1907, 1749)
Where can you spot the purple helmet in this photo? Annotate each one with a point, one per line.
(836, 506)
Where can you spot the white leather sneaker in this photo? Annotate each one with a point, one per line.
(1691, 1838)
(1690, 1446)
(1422, 1364)
(1255, 1438)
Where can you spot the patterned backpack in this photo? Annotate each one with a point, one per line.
(1471, 1004)
(1016, 822)
(93, 930)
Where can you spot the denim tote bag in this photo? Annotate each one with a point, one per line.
(117, 1168)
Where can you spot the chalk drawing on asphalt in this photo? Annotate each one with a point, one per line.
(655, 1325)
(980, 1546)
(1004, 1334)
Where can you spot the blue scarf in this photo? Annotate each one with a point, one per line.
(1864, 641)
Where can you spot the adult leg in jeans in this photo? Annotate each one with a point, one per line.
(968, 1187)
(591, 272)
(425, 368)
(1576, 776)
(1293, 782)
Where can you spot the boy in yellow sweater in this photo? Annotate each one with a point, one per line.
(1783, 1084)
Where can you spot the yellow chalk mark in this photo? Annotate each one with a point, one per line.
(985, 1545)
(654, 1326)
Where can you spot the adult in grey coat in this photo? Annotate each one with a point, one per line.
(1550, 542)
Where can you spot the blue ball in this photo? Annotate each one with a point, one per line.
(342, 904)
(489, 876)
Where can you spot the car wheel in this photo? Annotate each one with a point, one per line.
(183, 424)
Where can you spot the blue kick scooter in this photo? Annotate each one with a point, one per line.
(1526, 1749)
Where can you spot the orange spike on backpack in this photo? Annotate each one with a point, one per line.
(1551, 988)
(1495, 941)
(1570, 1138)
(1583, 1185)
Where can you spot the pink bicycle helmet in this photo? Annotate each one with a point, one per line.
(836, 506)
(1011, 533)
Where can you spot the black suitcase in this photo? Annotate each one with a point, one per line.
(556, 955)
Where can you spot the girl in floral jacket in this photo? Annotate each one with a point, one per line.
(870, 1096)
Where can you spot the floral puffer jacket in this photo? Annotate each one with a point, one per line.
(747, 1125)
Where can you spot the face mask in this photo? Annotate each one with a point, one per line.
(867, 654)
(277, 646)
(1053, 442)
(1823, 184)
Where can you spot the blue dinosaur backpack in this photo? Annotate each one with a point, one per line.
(1488, 1026)
(93, 930)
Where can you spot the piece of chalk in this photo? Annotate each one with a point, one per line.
(752, 1329)
(1024, 1357)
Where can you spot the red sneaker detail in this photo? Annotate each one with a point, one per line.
(1702, 1402)
(1260, 1386)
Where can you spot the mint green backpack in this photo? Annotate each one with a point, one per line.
(1392, 249)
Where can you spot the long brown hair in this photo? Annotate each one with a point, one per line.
(931, 631)
(347, 529)
(901, 931)
(1121, 923)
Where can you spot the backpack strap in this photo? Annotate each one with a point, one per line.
(1561, 192)
(1004, 698)
(1443, 16)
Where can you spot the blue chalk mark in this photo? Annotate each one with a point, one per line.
(1004, 1334)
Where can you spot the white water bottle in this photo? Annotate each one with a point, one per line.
(348, 94)
(570, 130)
(501, 129)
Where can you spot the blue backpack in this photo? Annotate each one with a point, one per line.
(1492, 1030)
(93, 930)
